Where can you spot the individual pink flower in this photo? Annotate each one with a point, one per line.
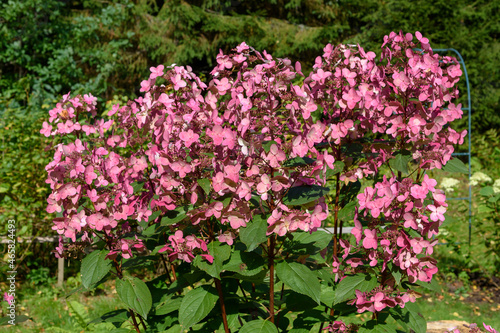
(370, 241)
(321, 76)
(419, 192)
(178, 82)
(46, 130)
(378, 299)
(189, 137)
(9, 298)
(437, 212)
(156, 71)
(227, 237)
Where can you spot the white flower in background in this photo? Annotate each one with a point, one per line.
(496, 186)
(448, 184)
(479, 177)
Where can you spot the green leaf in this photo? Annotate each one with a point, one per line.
(205, 185)
(18, 319)
(400, 163)
(298, 161)
(327, 294)
(255, 232)
(416, 320)
(135, 294)
(494, 199)
(484, 209)
(170, 304)
(300, 278)
(259, 326)
(347, 212)
(347, 287)
(297, 302)
(377, 327)
(196, 305)
(77, 311)
(94, 267)
(154, 215)
(487, 191)
(397, 276)
(308, 319)
(220, 252)
(338, 167)
(314, 242)
(174, 216)
(137, 186)
(301, 195)
(137, 262)
(433, 285)
(456, 165)
(245, 263)
(116, 317)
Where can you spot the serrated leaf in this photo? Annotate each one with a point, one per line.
(259, 326)
(298, 161)
(433, 285)
(154, 215)
(400, 163)
(116, 317)
(135, 294)
(300, 195)
(397, 276)
(196, 305)
(327, 295)
(377, 327)
(245, 263)
(416, 320)
(18, 319)
(220, 252)
(338, 167)
(138, 262)
(486, 191)
(347, 212)
(254, 233)
(77, 311)
(94, 267)
(315, 241)
(205, 185)
(298, 302)
(174, 216)
(346, 288)
(456, 165)
(300, 278)
(171, 304)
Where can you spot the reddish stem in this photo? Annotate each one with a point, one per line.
(271, 244)
(222, 305)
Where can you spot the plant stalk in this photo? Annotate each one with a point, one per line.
(271, 244)
(222, 305)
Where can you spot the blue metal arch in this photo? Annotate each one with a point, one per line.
(469, 133)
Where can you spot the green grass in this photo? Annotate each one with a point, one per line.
(49, 311)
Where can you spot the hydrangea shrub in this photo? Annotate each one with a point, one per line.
(227, 185)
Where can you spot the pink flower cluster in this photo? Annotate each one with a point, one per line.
(406, 105)
(220, 152)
